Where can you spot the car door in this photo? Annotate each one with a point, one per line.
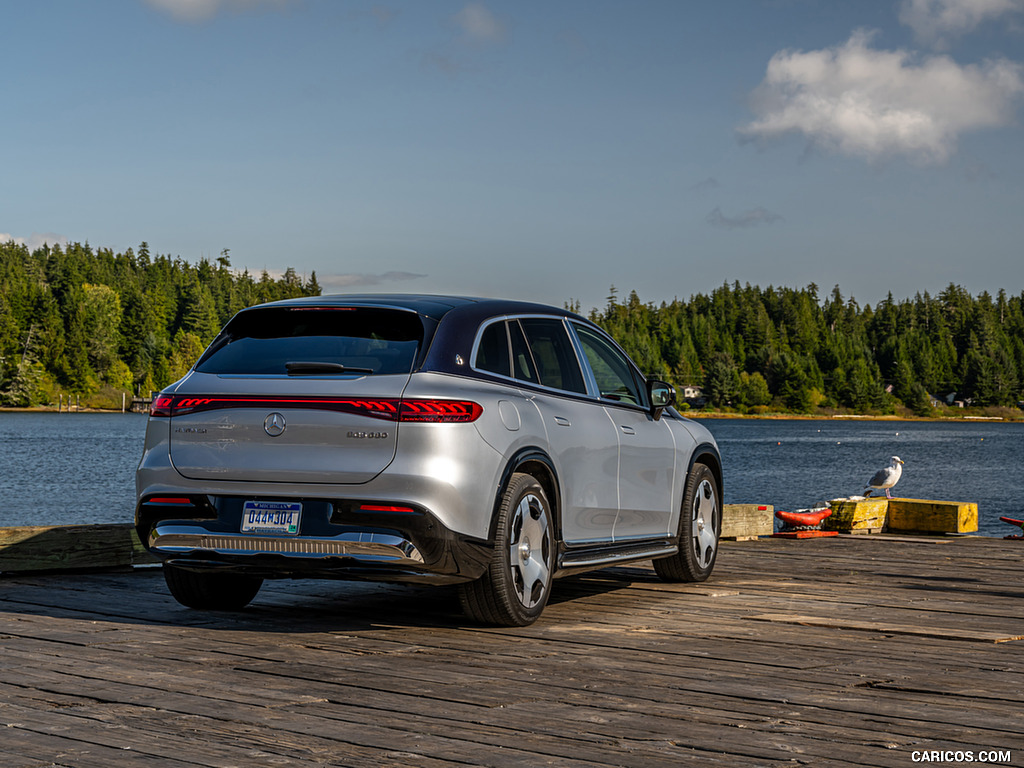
(647, 449)
(581, 436)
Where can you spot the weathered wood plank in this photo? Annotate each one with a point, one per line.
(742, 522)
(65, 547)
(621, 670)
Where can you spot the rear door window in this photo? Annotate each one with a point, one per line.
(522, 359)
(553, 354)
(297, 341)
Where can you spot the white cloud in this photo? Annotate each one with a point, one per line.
(870, 103)
(479, 25)
(36, 239)
(201, 10)
(936, 21)
(744, 220)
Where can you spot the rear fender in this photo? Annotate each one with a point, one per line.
(534, 462)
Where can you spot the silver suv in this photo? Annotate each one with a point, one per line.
(496, 445)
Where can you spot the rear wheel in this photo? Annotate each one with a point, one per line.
(516, 585)
(700, 524)
(211, 591)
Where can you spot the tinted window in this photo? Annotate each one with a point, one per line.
(614, 375)
(553, 354)
(492, 353)
(269, 341)
(522, 359)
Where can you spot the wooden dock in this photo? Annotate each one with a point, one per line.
(847, 651)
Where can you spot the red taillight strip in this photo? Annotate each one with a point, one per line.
(439, 410)
(168, 500)
(386, 408)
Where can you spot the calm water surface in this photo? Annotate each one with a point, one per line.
(793, 464)
(79, 468)
(59, 469)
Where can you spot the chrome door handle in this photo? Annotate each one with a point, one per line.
(562, 421)
(627, 430)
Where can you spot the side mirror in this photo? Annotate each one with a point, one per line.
(661, 396)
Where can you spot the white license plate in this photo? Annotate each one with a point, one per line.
(279, 517)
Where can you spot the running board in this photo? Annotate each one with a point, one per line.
(588, 558)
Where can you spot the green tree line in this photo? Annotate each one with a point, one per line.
(786, 349)
(89, 321)
(94, 323)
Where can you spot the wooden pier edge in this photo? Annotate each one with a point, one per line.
(71, 547)
(116, 545)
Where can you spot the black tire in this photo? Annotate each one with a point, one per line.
(211, 591)
(700, 524)
(517, 583)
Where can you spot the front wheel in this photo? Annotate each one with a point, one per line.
(700, 524)
(515, 588)
(211, 591)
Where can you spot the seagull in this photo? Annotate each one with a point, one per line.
(886, 478)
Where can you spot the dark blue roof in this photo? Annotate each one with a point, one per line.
(425, 304)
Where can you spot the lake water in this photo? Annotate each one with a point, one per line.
(66, 468)
(794, 464)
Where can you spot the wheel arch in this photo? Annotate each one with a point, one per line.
(535, 462)
(707, 454)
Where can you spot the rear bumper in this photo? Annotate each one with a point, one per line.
(333, 543)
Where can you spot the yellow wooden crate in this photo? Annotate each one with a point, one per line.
(926, 516)
(875, 514)
(857, 515)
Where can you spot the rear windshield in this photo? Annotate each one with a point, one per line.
(315, 341)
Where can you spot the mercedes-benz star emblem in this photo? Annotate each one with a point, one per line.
(274, 424)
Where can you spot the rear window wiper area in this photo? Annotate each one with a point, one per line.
(302, 368)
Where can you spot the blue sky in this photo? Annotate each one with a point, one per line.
(527, 149)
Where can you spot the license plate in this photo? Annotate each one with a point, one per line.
(280, 517)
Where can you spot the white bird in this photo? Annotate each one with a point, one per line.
(886, 478)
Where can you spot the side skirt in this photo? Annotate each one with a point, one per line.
(587, 558)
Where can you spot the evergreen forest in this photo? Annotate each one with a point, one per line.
(755, 350)
(94, 323)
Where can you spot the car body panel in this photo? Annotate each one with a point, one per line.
(647, 474)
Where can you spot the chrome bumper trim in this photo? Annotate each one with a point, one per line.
(369, 547)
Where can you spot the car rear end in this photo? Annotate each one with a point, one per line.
(295, 448)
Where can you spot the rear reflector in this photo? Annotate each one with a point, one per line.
(434, 411)
(384, 508)
(168, 500)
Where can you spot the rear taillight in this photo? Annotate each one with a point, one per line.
(427, 410)
(439, 411)
(161, 405)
